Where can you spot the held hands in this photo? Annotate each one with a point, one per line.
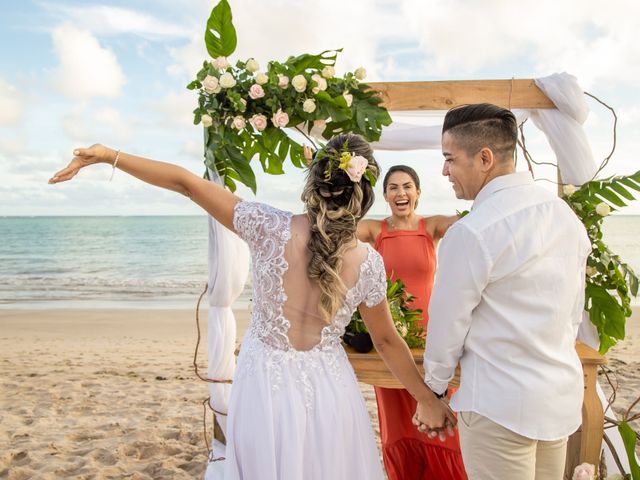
(83, 158)
(434, 417)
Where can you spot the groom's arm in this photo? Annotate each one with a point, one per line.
(463, 273)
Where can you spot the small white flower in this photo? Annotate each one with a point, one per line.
(403, 330)
(262, 78)
(591, 271)
(221, 63)
(348, 97)
(283, 81)
(252, 65)
(584, 471)
(569, 190)
(309, 105)
(239, 122)
(360, 73)
(603, 209)
(328, 71)
(206, 120)
(210, 84)
(299, 83)
(227, 80)
(321, 83)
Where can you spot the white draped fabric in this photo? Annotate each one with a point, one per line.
(228, 271)
(228, 257)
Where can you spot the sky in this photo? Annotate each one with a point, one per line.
(74, 73)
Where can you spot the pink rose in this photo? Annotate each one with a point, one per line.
(283, 81)
(259, 122)
(280, 119)
(239, 122)
(356, 168)
(256, 91)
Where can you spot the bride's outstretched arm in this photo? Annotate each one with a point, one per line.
(217, 201)
(435, 414)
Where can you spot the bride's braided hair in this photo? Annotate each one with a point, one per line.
(334, 206)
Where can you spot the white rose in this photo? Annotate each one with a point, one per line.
(210, 84)
(221, 63)
(360, 73)
(328, 71)
(259, 122)
(262, 78)
(321, 84)
(299, 83)
(603, 209)
(252, 65)
(206, 120)
(283, 81)
(348, 98)
(239, 122)
(309, 105)
(280, 119)
(569, 190)
(227, 80)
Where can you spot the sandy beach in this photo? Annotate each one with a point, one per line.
(112, 393)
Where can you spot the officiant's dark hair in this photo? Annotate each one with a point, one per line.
(334, 205)
(483, 125)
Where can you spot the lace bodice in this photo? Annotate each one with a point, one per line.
(267, 231)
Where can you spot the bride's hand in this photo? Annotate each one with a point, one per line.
(434, 418)
(83, 158)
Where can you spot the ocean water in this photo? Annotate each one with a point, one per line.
(141, 262)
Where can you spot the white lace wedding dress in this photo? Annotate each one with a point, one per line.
(295, 411)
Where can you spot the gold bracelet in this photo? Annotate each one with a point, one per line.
(115, 162)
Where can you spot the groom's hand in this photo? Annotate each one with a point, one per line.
(434, 419)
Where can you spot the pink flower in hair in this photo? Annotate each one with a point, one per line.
(356, 167)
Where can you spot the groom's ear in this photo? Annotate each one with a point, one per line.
(487, 159)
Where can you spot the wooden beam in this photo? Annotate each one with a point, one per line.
(443, 95)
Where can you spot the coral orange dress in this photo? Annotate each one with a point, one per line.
(408, 454)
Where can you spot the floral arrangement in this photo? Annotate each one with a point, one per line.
(244, 109)
(404, 316)
(610, 281)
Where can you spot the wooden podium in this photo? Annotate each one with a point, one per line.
(370, 369)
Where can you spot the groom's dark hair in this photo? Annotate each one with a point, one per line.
(483, 125)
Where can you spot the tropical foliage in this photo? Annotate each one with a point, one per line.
(404, 316)
(245, 110)
(610, 281)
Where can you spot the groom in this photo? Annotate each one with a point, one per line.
(507, 301)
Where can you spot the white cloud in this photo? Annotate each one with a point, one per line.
(10, 104)
(176, 109)
(86, 68)
(463, 37)
(110, 20)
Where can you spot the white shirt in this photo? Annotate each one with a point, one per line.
(506, 304)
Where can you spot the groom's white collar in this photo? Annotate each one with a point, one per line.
(502, 182)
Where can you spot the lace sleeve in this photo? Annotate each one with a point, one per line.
(256, 222)
(376, 281)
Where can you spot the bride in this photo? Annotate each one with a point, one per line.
(295, 410)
